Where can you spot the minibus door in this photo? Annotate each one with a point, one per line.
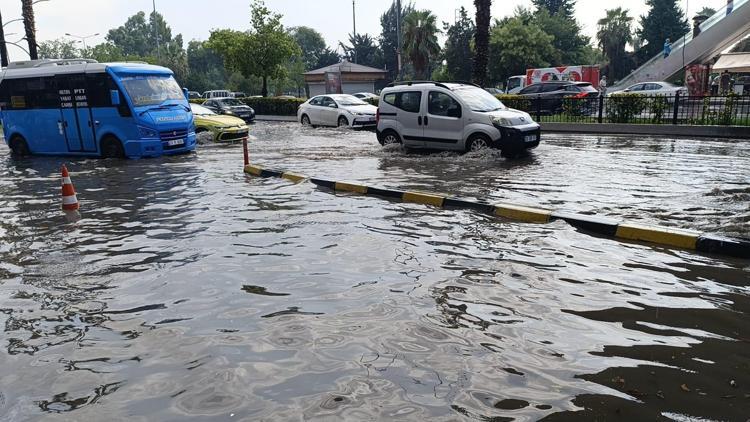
(77, 120)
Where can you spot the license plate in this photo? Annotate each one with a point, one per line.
(175, 142)
(530, 138)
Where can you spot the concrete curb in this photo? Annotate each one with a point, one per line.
(676, 238)
(737, 132)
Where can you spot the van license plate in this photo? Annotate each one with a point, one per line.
(530, 138)
(175, 142)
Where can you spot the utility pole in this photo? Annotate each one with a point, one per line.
(354, 34)
(3, 47)
(398, 36)
(156, 32)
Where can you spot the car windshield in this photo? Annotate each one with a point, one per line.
(200, 110)
(231, 102)
(152, 90)
(478, 99)
(349, 100)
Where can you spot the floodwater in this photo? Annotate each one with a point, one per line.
(190, 291)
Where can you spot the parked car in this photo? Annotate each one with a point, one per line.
(223, 128)
(550, 95)
(219, 93)
(231, 107)
(193, 95)
(494, 91)
(286, 97)
(366, 96)
(337, 110)
(239, 94)
(452, 116)
(653, 88)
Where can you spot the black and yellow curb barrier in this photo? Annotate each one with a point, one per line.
(608, 227)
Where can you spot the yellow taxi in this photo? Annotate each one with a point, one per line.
(222, 128)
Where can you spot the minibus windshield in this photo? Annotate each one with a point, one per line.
(151, 90)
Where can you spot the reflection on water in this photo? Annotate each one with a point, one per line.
(191, 291)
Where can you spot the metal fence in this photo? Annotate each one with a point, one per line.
(732, 110)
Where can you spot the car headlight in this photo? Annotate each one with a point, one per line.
(147, 132)
(500, 121)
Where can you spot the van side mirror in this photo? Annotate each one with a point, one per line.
(186, 93)
(115, 97)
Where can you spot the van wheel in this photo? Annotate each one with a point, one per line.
(389, 137)
(343, 121)
(19, 147)
(478, 143)
(112, 148)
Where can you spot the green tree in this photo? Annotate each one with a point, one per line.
(664, 20)
(262, 51)
(459, 54)
(565, 8)
(389, 36)
(482, 40)
(515, 45)
(29, 25)
(363, 50)
(58, 49)
(614, 33)
(311, 44)
(706, 11)
(105, 52)
(206, 67)
(420, 40)
(571, 46)
(327, 58)
(135, 37)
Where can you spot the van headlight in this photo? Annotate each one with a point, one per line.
(147, 132)
(500, 121)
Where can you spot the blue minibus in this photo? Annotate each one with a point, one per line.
(85, 108)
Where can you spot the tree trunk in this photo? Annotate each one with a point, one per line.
(482, 41)
(264, 91)
(3, 47)
(27, 11)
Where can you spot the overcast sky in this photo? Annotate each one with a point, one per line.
(194, 19)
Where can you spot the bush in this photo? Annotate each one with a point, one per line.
(268, 105)
(659, 107)
(517, 102)
(574, 106)
(622, 108)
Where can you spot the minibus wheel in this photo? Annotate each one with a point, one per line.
(19, 147)
(112, 148)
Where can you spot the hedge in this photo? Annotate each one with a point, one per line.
(268, 105)
(517, 102)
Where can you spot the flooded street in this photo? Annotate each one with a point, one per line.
(191, 291)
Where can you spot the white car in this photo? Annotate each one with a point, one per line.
(452, 116)
(653, 89)
(366, 96)
(337, 110)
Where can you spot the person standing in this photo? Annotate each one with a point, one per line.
(725, 82)
(667, 48)
(603, 85)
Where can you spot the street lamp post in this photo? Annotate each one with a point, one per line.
(82, 38)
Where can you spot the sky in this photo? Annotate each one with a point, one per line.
(194, 19)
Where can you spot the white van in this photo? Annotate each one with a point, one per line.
(452, 116)
(219, 93)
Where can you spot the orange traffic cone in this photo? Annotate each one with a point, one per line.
(69, 199)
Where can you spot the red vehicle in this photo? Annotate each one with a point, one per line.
(564, 73)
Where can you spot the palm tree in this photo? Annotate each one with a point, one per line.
(614, 33)
(27, 11)
(420, 40)
(482, 40)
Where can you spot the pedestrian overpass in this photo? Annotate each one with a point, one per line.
(718, 33)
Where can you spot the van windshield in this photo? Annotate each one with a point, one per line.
(151, 90)
(478, 99)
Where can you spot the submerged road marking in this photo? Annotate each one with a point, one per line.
(610, 228)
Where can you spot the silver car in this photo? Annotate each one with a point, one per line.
(665, 89)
